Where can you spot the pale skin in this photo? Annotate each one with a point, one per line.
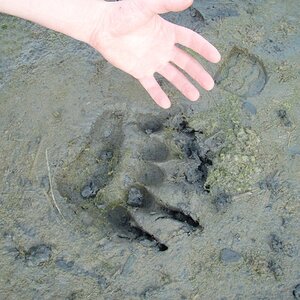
(131, 35)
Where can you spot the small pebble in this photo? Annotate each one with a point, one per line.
(229, 256)
(135, 197)
(128, 266)
(89, 191)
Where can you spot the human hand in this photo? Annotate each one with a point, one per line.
(134, 38)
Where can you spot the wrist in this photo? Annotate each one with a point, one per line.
(79, 18)
(90, 20)
(100, 12)
(75, 18)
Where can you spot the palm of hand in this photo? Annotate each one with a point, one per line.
(140, 42)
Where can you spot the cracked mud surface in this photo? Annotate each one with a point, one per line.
(132, 202)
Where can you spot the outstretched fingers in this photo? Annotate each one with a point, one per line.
(178, 79)
(196, 42)
(192, 67)
(174, 76)
(164, 6)
(155, 91)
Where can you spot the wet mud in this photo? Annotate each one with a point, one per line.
(106, 196)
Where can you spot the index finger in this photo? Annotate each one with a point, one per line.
(155, 91)
(196, 42)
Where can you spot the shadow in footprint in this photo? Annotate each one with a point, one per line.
(151, 175)
(94, 167)
(125, 225)
(148, 123)
(155, 150)
(142, 200)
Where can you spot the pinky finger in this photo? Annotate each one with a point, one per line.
(155, 91)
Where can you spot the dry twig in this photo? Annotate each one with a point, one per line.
(54, 203)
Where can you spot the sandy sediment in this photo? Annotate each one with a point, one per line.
(197, 202)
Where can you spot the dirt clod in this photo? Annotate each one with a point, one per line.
(296, 292)
(135, 197)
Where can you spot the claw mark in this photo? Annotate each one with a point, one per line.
(125, 224)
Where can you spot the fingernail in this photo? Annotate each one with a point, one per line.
(195, 96)
(166, 105)
(217, 57)
(210, 86)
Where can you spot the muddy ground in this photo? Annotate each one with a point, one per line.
(106, 196)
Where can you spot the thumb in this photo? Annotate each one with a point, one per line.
(164, 6)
